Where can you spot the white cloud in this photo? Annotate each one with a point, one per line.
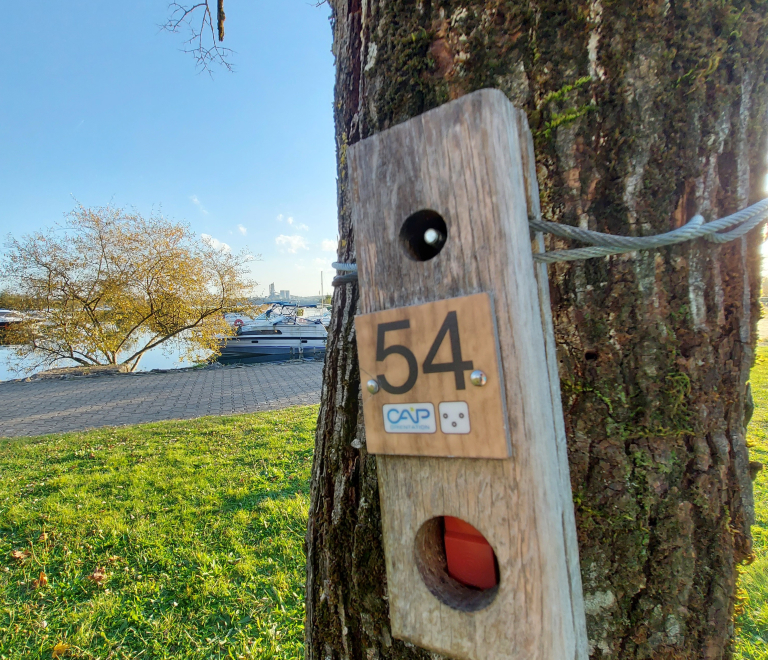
(198, 204)
(292, 243)
(242, 230)
(214, 243)
(291, 221)
(328, 245)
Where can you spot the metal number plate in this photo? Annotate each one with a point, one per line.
(431, 380)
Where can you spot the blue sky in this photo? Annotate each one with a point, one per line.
(98, 105)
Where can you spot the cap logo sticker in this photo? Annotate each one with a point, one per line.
(409, 418)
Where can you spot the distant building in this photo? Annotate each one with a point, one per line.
(274, 295)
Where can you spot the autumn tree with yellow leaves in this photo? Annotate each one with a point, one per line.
(109, 285)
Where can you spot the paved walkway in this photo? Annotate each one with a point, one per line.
(56, 406)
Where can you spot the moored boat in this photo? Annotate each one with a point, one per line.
(277, 334)
(8, 317)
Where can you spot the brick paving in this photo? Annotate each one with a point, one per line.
(57, 406)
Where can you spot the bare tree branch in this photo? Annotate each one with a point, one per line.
(202, 43)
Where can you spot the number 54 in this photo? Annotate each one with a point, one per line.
(457, 365)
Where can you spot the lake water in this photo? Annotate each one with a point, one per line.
(154, 359)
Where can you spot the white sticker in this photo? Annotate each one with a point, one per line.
(454, 417)
(409, 418)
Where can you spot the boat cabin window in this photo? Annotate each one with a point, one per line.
(267, 331)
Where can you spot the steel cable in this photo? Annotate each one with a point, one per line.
(603, 245)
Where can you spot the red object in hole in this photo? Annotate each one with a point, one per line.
(470, 557)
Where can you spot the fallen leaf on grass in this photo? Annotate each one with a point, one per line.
(59, 650)
(41, 581)
(20, 555)
(98, 576)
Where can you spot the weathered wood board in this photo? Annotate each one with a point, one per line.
(463, 161)
(420, 386)
(561, 442)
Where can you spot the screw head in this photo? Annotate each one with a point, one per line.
(372, 386)
(431, 237)
(478, 378)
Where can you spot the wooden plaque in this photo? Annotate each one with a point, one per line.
(422, 357)
(471, 162)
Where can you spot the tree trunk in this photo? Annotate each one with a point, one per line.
(644, 114)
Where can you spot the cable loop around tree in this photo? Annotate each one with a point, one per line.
(602, 245)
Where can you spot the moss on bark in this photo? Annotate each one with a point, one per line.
(644, 114)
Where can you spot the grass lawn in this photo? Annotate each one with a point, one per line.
(752, 638)
(168, 540)
(184, 539)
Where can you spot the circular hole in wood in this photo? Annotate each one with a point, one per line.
(423, 235)
(457, 564)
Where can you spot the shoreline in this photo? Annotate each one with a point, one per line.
(80, 373)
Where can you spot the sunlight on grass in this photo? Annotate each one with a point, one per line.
(185, 539)
(168, 540)
(752, 637)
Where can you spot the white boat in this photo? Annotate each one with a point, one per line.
(322, 314)
(277, 334)
(9, 317)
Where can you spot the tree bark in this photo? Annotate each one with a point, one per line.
(644, 114)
